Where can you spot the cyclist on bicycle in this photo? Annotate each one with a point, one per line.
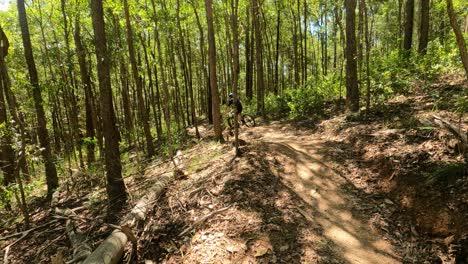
(237, 110)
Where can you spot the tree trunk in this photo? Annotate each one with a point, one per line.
(71, 87)
(192, 99)
(352, 89)
(304, 64)
(258, 58)
(278, 26)
(424, 29)
(368, 47)
(115, 185)
(206, 76)
(86, 81)
(213, 77)
(139, 85)
(7, 159)
(167, 116)
(235, 66)
(248, 56)
(458, 35)
(49, 159)
(409, 15)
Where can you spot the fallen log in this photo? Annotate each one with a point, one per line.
(451, 128)
(111, 250)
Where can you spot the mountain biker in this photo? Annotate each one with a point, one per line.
(237, 110)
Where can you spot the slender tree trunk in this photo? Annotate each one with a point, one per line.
(335, 37)
(16, 114)
(49, 159)
(360, 42)
(213, 77)
(153, 101)
(368, 47)
(162, 64)
(158, 97)
(458, 35)
(7, 159)
(86, 81)
(235, 72)
(7, 154)
(306, 33)
(192, 99)
(278, 26)
(409, 17)
(206, 75)
(352, 89)
(258, 58)
(248, 56)
(139, 85)
(295, 47)
(74, 112)
(115, 185)
(424, 29)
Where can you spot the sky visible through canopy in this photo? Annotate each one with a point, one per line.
(4, 4)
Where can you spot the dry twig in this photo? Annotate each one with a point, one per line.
(203, 219)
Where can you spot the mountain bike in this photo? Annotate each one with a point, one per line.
(246, 120)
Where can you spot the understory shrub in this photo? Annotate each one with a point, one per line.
(296, 103)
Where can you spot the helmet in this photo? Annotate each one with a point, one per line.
(230, 95)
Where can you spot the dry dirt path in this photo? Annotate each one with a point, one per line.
(330, 197)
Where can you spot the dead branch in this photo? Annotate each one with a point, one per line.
(7, 248)
(27, 232)
(439, 121)
(203, 219)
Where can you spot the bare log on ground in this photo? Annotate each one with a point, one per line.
(111, 250)
(451, 128)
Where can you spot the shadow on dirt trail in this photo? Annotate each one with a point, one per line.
(329, 200)
(281, 228)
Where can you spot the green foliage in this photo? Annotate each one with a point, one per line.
(277, 106)
(296, 103)
(89, 141)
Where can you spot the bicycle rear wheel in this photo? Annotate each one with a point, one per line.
(249, 121)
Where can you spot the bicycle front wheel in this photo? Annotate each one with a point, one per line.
(249, 121)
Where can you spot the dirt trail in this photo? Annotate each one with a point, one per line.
(330, 197)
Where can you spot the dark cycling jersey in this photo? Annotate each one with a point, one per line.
(238, 104)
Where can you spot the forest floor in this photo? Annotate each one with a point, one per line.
(385, 188)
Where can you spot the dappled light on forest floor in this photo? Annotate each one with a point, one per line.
(327, 202)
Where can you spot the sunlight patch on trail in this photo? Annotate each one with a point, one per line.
(322, 188)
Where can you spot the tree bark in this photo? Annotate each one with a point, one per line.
(368, 47)
(278, 26)
(248, 56)
(409, 15)
(7, 159)
(235, 66)
(458, 35)
(86, 81)
(139, 85)
(424, 29)
(213, 76)
(49, 159)
(167, 116)
(352, 89)
(115, 185)
(258, 58)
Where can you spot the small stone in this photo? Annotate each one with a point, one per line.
(284, 248)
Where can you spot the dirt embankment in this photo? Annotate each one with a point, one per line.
(397, 152)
